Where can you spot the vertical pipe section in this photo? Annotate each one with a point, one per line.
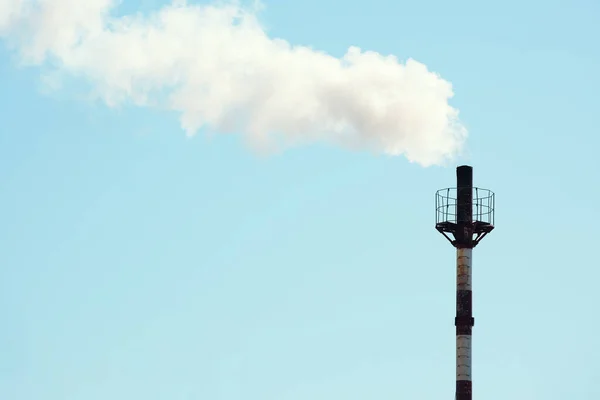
(464, 249)
(464, 206)
(464, 323)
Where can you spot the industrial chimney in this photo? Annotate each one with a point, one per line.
(464, 215)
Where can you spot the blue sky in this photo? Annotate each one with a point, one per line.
(139, 263)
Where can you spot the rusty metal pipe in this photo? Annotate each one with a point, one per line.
(464, 320)
(467, 232)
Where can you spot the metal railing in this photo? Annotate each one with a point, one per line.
(483, 205)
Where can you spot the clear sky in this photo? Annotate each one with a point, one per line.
(139, 263)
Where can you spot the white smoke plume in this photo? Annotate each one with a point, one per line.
(218, 68)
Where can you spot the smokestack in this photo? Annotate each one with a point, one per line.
(466, 213)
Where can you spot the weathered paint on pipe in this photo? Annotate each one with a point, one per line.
(463, 268)
(464, 322)
(463, 342)
(463, 357)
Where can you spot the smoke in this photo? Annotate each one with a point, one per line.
(216, 66)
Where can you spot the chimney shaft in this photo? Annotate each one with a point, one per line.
(464, 320)
(454, 219)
